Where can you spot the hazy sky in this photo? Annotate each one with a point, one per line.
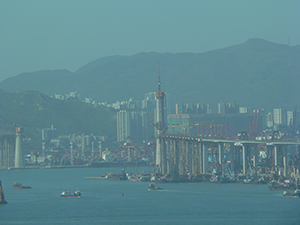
(67, 34)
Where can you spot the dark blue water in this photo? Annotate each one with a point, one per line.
(102, 201)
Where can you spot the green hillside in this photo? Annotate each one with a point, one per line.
(35, 111)
(256, 74)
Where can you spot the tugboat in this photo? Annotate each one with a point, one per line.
(2, 199)
(152, 187)
(296, 194)
(123, 175)
(18, 185)
(68, 194)
(112, 176)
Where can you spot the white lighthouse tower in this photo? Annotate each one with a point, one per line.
(19, 161)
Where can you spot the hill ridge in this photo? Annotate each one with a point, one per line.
(256, 73)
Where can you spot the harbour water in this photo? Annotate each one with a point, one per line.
(102, 201)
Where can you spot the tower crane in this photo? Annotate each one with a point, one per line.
(173, 126)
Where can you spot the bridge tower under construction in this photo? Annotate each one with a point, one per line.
(160, 128)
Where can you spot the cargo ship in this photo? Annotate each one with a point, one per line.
(18, 185)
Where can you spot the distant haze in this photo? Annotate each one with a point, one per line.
(67, 34)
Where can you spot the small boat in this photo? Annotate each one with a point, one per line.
(2, 198)
(240, 179)
(145, 178)
(296, 193)
(133, 179)
(219, 179)
(18, 185)
(152, 187)
(157, 179)
(112, 176)
(68, 194)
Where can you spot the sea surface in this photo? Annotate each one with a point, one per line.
(102, 201)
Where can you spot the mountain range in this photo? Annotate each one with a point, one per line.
(257, 73)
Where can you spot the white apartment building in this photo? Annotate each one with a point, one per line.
(123, 125)
(279, 116)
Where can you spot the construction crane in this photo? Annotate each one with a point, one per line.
(198, 124)
(173, 126)
(185, 128)
(213, 129)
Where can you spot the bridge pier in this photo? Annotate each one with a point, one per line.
(244, 158)
(200, 157)
(175, 153)
(284, 158)
(164, 158)
(168, 154)
(276, 158)
(158, 155)
(221, 157)
(232, 157)
(181, 154)
(194, 158)
(188, 157)
(255, 158)
(205, 158)
(246, 149)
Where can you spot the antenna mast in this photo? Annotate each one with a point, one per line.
(158, 76)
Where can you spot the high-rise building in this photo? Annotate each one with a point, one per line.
(192, 108)
(279, 116)
(290, 118)
(133, 124)
(234, 107)
(48, 133)
(243, 109)
(150, 102)
(180, 108)
(270, 122)
(221, 108)
(123, 125)
(228, 107)
(150, 96)
(146, 127)
(168, 107)
(202, 108)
